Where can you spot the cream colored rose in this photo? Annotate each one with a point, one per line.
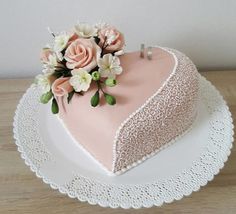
(82, 53)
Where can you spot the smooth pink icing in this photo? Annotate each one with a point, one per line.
(95, 128)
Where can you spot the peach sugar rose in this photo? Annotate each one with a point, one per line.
(44, 55)
(73, 37)
(61, 86)
(82, 53)
(118, 41)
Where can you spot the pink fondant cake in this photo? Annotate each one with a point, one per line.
(156, 102)
(153, 101)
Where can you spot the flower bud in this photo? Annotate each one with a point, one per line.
(46, 97)
(96, 75)
(110, 82)
(110, 99)
(54, 107)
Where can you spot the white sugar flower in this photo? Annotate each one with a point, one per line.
(111, 36)
(60, 42)
(59, 56)
(48, 70)
(52, 60)
(85, 30)
(43, 81)
(109, 66)
(80, 79)
(51, 63)
(100, 25)
(119, 53)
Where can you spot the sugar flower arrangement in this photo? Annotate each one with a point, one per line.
(78, 58)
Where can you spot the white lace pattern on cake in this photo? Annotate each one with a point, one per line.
(163, 117)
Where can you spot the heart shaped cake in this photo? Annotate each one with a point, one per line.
(156, 100)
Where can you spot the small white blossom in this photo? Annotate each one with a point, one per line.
(80, 79)
(85, 30)
(43, 81)
(111, 36)
(52, 60)
(48, 70)
(60, 42)
(119, 53)
(100, 25)
(50, 64)
(59, 56)
(109, 66)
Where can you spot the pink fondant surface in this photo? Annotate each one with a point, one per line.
(95, 128)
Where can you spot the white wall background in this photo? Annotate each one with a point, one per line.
(203, 29)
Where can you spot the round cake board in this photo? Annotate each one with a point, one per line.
(183, 167)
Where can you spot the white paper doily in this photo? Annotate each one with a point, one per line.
(176, 171)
